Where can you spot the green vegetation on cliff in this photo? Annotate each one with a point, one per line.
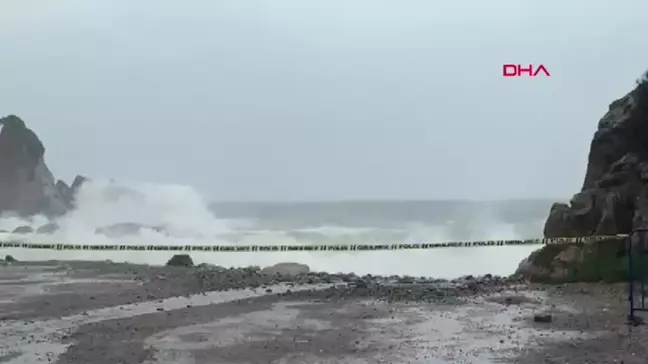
(605, 260)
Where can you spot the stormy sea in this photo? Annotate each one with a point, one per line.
(109, 212)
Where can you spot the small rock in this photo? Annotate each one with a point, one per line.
(542, 317)
(180, 260)
(360, 283)
(208, 266)
(406, 280)
(635, 320)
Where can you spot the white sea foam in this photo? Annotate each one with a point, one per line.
(177, 215)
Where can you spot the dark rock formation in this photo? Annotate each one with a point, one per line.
(79, 180)
(613, 198)
(27, 187)
(68, 193)
(65, 191)
(26, 184)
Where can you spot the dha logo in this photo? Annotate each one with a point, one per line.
(517, 70)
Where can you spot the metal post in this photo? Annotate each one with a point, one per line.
(631, 318)
(637, 240)
(642, 271)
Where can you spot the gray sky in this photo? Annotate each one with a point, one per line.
(315, 100)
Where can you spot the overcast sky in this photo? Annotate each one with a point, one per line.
(317, 100)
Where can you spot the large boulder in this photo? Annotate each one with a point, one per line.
(613, 198)
(180, 260)
(286, 269)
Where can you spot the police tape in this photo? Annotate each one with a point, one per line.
(307, 248)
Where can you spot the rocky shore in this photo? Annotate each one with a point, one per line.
(155, 282)
(105, 312)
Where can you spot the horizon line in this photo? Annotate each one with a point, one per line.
(347, 200)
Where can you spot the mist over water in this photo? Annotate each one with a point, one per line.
(176, 214)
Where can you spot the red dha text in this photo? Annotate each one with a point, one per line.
(518, 70)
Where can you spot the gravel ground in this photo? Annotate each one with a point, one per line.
(104, 312)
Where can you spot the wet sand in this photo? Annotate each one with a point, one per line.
(91, 312)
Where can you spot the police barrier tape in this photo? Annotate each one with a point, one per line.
(307, 248)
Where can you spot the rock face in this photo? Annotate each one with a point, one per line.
(27, 187)
(613, 198)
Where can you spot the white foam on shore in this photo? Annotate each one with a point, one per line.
(438, 263)
(187, 220)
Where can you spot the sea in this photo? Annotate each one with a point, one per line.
(179, 215)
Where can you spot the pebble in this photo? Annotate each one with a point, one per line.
(542, 317)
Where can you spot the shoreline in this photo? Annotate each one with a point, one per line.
(103, 312)
(442, 263)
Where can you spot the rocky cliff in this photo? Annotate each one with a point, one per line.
(612, 200)
(27, 186)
